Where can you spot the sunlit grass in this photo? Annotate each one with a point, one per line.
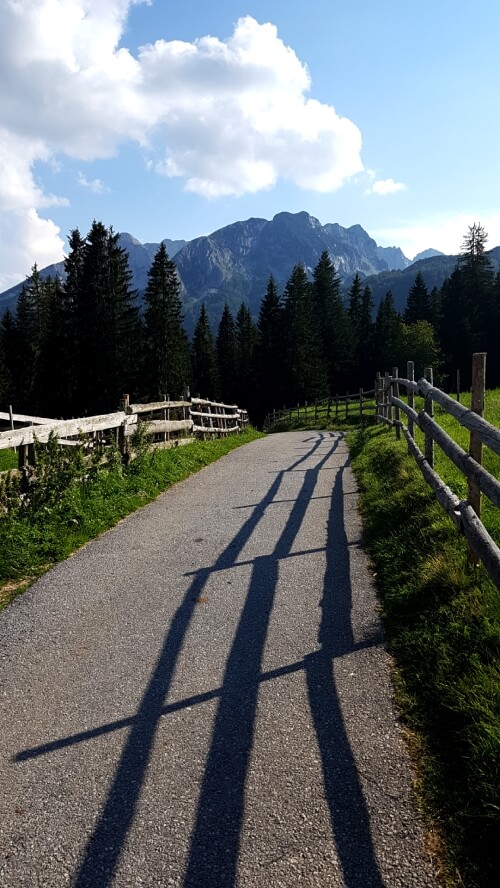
(32, 541)
(442, 620)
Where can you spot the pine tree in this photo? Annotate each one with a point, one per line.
(333, 323)
(469, 309)
(70, 296)
(107, 324)
(270, 352)
(51, 381)
(246, 375)
(360, 314)
(226, 351)
(205, 380)
(419, 304)
(166, 349)
(388, 339)
(9, 351)
(306, 372)
(32, 313)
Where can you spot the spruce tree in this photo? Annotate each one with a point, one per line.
(469, 309)
(9, 351)
(32, 313)
(226, 351)
(70, 296)
(388, 335)
(270, 352)
(419, 303)
(333, 323)
(205, 378)
(166, 350)
(246, 375)
(304, 363)
(107, 324)
(360, 314)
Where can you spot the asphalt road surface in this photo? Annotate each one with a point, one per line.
(202, 698)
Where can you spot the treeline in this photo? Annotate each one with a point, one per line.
(74, 347)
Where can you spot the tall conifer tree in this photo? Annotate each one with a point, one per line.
(205, 377)
(246, 375)
(306, 371)
(270, 351)
(226, 351)
(166, 349)
(333, 323)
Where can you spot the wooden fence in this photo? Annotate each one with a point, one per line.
(167, 422)
(337, 407)
(465, 513)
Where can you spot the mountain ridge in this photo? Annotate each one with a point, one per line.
(234, 263)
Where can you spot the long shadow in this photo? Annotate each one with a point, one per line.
(104, 846)
(215, 842)
(348, 814)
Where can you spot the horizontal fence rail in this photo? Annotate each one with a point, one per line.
(167, 423)
(336, 406)
(465, 513)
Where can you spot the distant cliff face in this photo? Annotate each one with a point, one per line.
(234, 263)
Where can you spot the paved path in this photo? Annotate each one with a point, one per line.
(201, 697)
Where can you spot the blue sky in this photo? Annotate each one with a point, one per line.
(173, 120)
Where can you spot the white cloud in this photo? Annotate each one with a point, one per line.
(445, 233)
(227, 116)
(97, 186)
(386, 186)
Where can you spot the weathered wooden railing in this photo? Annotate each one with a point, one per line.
(337, 407)
(167, 422)
(465, 513)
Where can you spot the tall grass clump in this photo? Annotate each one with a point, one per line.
(442, 621)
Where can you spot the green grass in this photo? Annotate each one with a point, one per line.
(310, 418)
(442, 621)
(69, 515)
(491, 461)
(8, 460)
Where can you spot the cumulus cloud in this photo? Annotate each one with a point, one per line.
(227, 116)
(97, 186)
(386, 186)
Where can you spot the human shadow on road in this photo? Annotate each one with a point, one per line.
(101, 855)
(348, 814)
(215, 842)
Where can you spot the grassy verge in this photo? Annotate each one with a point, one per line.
(310, 418)
(442, 621)
(67, 512)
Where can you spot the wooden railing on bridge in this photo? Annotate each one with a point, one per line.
(465, 513)
(167, 422)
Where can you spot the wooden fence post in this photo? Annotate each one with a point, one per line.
(395, 393)
(387, 407)
(315, 410)
(475, 444)
(410, 374)
(458, 386)
(361, 406)
(336, 406)
(122, 440)
(377, 398)
(429, 409)
(328, 408)
(347, 405)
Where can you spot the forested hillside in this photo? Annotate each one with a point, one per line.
(75, 346)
